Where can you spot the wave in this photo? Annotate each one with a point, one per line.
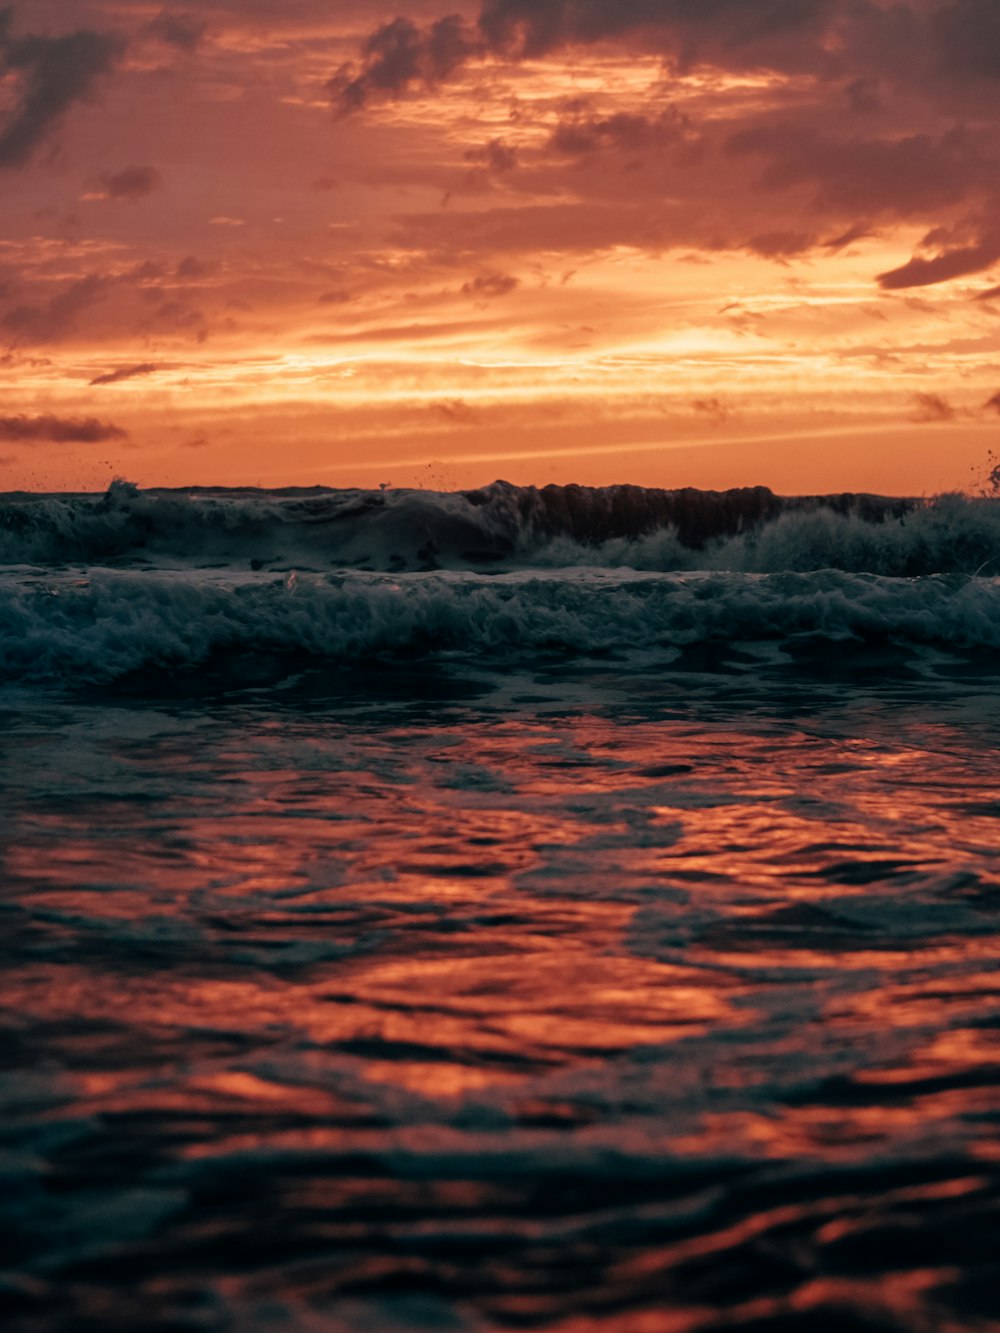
(115, 623)
(502, 526)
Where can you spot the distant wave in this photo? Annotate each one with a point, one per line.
(502, 527)
(114, 623)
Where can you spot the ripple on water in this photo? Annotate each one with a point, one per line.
(637, 1005)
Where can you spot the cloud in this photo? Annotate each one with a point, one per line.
(860, 50)
(780, 244)
(50, 320)
(399, 56)
(527, 29)
(457, 410)
(496, 156)
(897, 175)
(441, 331)
(622, 131)
(993, 404)
(191, 268)
(967, 34)
(859, 232)
(50, 74)
(862, 116)
(126, 373)
(931, 407)
(130, 183)
(952, 262)
(183, 31)
(60, 430)
(713, 407)
(40, 323)
(562, 227)
(491, 284)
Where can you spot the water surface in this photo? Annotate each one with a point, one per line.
(588, 950)
(580, 997)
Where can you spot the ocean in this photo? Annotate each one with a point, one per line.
(552, 909)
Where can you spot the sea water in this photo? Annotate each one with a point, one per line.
(515, 909)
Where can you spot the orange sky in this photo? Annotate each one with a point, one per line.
(297, 241)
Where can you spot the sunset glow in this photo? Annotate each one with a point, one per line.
(263, 243)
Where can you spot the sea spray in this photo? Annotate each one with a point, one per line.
(502, 527)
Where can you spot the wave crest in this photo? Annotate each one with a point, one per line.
(504, 527)
(118, 623)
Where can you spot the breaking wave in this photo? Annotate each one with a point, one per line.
(95, 588)
(504, 527)
(119, 622)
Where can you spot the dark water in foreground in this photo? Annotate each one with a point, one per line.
(586, 951)
(572, 1000)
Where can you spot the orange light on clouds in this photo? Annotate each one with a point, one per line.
(661, 272)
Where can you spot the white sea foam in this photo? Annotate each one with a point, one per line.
(58, 626)
(504, 527)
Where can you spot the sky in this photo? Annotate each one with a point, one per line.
(667, 242)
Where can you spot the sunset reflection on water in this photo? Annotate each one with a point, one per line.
(659, 1013)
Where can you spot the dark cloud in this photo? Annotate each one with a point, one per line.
(581, 133)
(399, 56)
(180, 317)
(531, 28)
(50, 75)
(992, 404)
(897, 175)
(60, 430)
(956, 261)
(847, 58)
(489, 162)
(967, 36)
(931, 407)
(130, 183)
(713, 407)
(859, 232)
(52, 318)
(491, 284)
(887, 115)
(184, 31)
(863, 96)
(990, 294)
(496, 156)
(483, 235)
(47, 321)
(191, 269)
(780, 244)
(126, 373)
